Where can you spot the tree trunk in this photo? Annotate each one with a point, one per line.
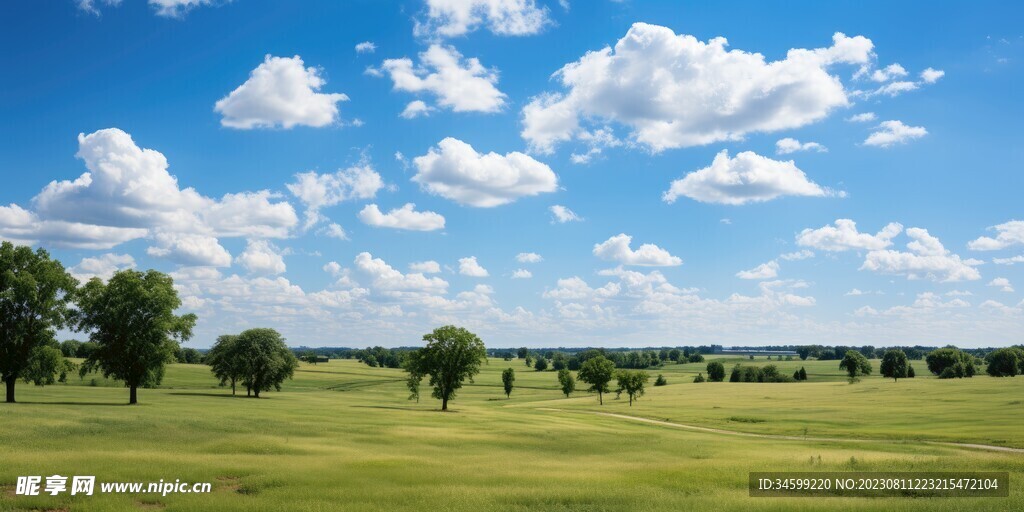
(232, 387)
(631, 400)
(248, 391)
(257, 391)
(600, 397)
(444, 404)
(10, 389)
(133, 395)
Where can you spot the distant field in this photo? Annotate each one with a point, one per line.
(342, 436)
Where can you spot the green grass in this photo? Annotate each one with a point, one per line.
(342, 436)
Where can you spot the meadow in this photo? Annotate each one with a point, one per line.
(343, 436)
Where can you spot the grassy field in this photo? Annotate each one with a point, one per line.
(342, 436)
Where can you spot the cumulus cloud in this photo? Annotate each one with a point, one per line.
(864, 117)
(405, 217)
(561, 214)
(677, 91)
(891, 133)
(768, 270)
(317, 191)
(334, 230)
(283, 92)
(416, 108)
(366, 47)
(791, 145)
(165, 8)
(747, 178)
(1002, 283)
(931, 76)
(844, 236)
(617, 249)
(469, 267)
(890, 72)
(190, 249)
(798, 255)
(127, 193)
(102, 266)
(1008, 234)
(425, 267)
(454, 170)
(575, 288)
(529, 257)
(387, 279)
(262, 257)
(522, 274)
(451, 18)
(462, 85)
(1008, 261)
(927, 258)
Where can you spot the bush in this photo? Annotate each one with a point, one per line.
(716, 371)
(660, 381)
(941, 359)
(910, 372)
(541, 364)
(699, 378)
(803, 373)
(1005, 362)
(948, 373)
(696, 358)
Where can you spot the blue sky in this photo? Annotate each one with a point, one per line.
(753, 246)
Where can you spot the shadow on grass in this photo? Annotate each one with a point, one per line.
(216, 395)
(119, 404)
(396, 408)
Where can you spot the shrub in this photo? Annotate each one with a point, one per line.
(940, 359)
(716, 371)
(660, 381)
(696, 358)
(1005, 362)
(699, 378)
(803, 373)
(541, 364)
(910, 372)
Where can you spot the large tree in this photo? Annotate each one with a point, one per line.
(265, 360)
(716, 371)
(35, 291)
(451, 355)
(894, 364)
(855, 364)
(598, 372)
(1005, 362)
(632, 383)
(959, 362)
(131, 319)
(225, 362)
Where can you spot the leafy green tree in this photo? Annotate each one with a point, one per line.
(894, 364)
(1005, 362)
(541, 364)
(660, 381)
(47, 366)
(310, 357)
(85, 349)
(508, 377)
(522, 352)
(803, 373)
(855, 364)
(698, 378)
(961, 362)
(131, 319)
(796, 375)
(632, 383)
(674, 355)
(188, 355)
(69, 348)
(529, 361)
(910, 371)
(411, 366)
(266, 361)
(225, 362)
(452, 355)
(696, 357)
(598, 372)
(566, 380)
(716, 371)
(35, 291)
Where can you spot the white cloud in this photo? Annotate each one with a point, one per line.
(102, 266)
(896, 88)
(1008, 261)
(865, 117)
(450, 18)
(856, 293)
(1002, 283)
(386, 278)
(844, 236)
(798, 255)
(768, 270)
(262, 257)
(617, 249)
(890, 133)
(280, 92)
(366, 47)
(405, 217)
(676, 91)
(416, 108)
(927, 258)
(190, 250)
(454, 170)
(522, 274)
(889, 72)
(425, 267)
(460, 85)
(165, 8)
(563, 214)
(333, 268)
(930, 76)
(790, 145)
(748, 177)
(529, 257)
(1009, 234)
(128, 193)
(469, 267)
(334, 230)
(575, 288)
(318, 191)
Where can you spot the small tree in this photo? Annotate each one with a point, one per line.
(660, 381)
(803, 373)
(674, 355)
(452, 355)
(541, 364)
(910, 371)
(894, 364)
(266, 360)
(522, 353)
(716, 371)
(855, 364)
(632, 383)
(47, 366)
(566, 380)
(507, 378)
(225, 362)
(1005, 362)
(131, 319)
(699, 378)
(529, 362)
(598, 372)
(34, 295)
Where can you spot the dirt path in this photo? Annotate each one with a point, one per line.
(791, 438)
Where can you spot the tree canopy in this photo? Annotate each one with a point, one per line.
(598, 372)
(1005, 362)
(508, 377)
(567, 382)
(225, 363)
(266, 362)
(855, 364)
(894, 364)
(632, 383)
(452, 355)
(131, 319)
